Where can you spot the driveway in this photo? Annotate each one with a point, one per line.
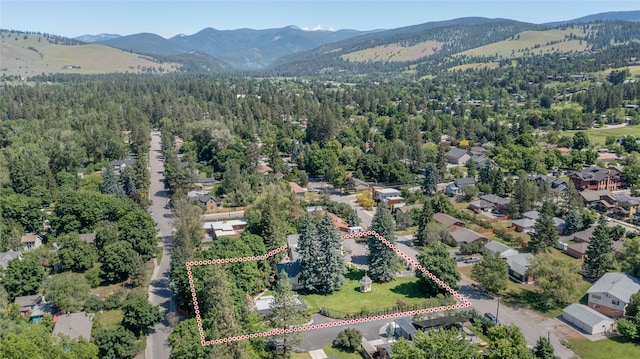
(159, 292)
(532, 324)
(318, 338)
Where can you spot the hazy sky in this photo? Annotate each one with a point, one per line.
(169, 18)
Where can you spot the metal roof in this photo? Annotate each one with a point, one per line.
(586, 315)
(617, 284)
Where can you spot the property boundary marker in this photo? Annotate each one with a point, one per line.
(464, 303)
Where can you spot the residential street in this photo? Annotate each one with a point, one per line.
(532, 324)
(159, 292)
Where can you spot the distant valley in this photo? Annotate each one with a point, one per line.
(290, 51)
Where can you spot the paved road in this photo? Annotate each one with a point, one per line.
(532, 324)
(159, 292)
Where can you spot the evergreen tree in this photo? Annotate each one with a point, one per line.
(544, 349)
(546, 233)
(309, 253)
(382, 259)
(430, 183)
(436, 259)
(110, 184)
(331, 266)
(599, 252)
(524, 193)
(354, 220)
(574, 221)
(218, 303)
(472, 169)
(286, 313)
(442, 161)
(426, 216)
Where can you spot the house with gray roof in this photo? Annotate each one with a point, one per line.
(554, 183)
(457, 156)
(6, 257)
(464, 235)
(499, 203)
(456, 188)
(75, 325)
(263, 304)
(597, 178)
(612, 292)
(291, 264)
(524, 225)
(495, 248)
(118, 166)
(519, 266)
(587, 319)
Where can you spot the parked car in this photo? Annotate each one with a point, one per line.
(459, 259)
(472, 260)
(492, 317)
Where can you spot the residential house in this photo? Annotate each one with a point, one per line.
(264, 169)
(403, 328)
(75, 325)
(119, 165)
(456, 188)
(555, 184)
(6, 257)
(519, 267)
(499, 203)
(464, 235)
(177, 143)
(448, 221)
(627, 207)
(560, 224)
(263, 304)
(597, 178)
(31, 241)
(601, 200)
(495, 248)
(88, 237)
(481, 160)
(481, 206)
(338, 222)
(205, 182)
(532, 215)
(204, 200)
(228, 228)
(381, 194)
(612, 292)
(35, 307)
(587, 319)
(577, 250)
(457, 156)
(291, 264)
(478, 150)
(524, 225)
(296, 189)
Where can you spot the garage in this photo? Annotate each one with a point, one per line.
(587, 319)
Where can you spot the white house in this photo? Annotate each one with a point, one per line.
(385, 193)
(612, 292)
(31, 241)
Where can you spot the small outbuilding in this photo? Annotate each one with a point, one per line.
(587, 319)
(365, 284)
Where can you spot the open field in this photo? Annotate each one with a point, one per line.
(614, 347)
(349, 299)
(480, 65)
(109, 319)
(599, 135)
(394, 52)
(634, 70)
(30, 55)
(531, 42)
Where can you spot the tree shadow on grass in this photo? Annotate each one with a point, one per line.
(409, 290)
(527, 299)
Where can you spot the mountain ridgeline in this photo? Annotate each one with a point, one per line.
(416, 50)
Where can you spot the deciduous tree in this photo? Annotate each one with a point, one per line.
(22, 277)
(556, 278)
(118, 343)
(436, 259)
(442, 344)
(138, 314)
(492, 273)
(67, 291)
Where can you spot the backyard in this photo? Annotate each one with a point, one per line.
(349, 299)
(614, 347)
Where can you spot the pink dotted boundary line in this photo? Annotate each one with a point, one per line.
(464, 302)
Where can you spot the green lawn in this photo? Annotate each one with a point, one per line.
(333, 352)
(304, 355)
(349, 299)
(598, 136)
(605, 348)
(109, 319)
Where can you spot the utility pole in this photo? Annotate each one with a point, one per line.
(498, 311)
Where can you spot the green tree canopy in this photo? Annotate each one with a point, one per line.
(22, 277)
(382, 260)
(67, 291)
(436, 259)
(492, 273)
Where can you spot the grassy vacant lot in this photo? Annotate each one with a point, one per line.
(109, 319)
(598, 136)
(349, 299)
(607, 348)
(527, 295)
(333, 352)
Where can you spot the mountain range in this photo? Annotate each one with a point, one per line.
(291, 51)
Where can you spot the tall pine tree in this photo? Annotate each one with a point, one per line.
(309, 253)
(546, 233)
(431, 177)
(599, 252)
(382, 259)
(286, 313)
(331, 266)
(426, 216)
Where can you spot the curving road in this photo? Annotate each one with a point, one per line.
(159, 292)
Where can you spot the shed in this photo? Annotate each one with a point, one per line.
(587, 319)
